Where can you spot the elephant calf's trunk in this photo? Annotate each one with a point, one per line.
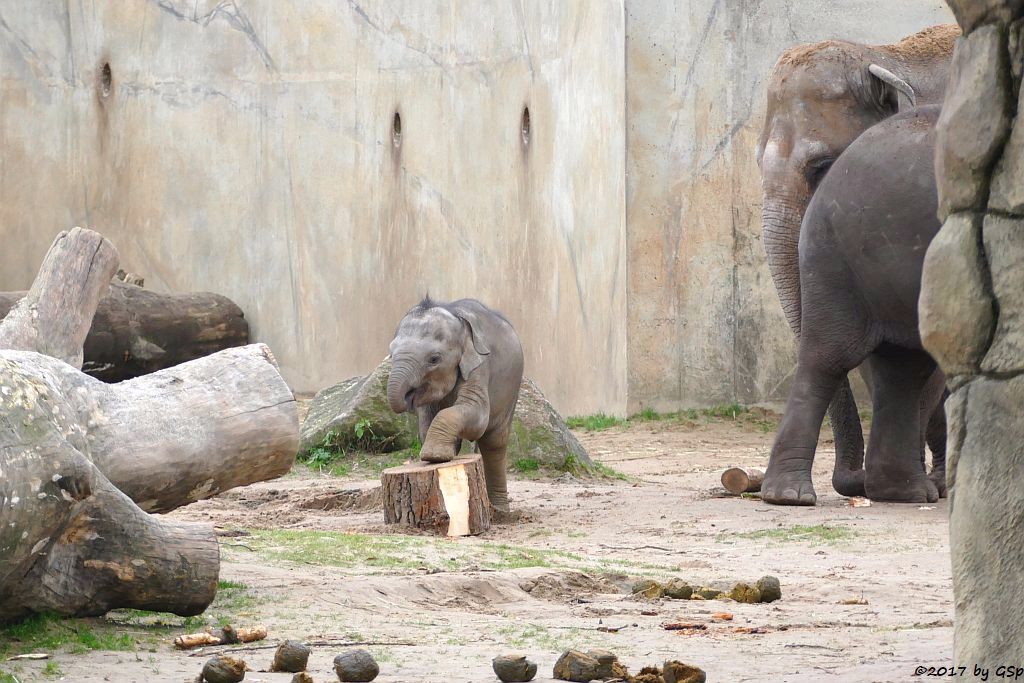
(400, 395)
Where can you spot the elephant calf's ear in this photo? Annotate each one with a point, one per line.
(473, 349)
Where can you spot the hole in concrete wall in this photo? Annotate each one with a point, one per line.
(396, 130)
(525, 125)
(106, 80)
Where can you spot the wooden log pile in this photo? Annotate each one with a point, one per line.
(81, 462)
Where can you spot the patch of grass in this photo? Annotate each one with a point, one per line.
(52, 633)
(603, 470)
(364, 449)
(815, 535)
(726, 410)
(594, 423)
(228, 585)
(524, 465)
(399, 554)
(358, 464)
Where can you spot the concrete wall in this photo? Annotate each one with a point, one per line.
(705, 325)
(246, 147)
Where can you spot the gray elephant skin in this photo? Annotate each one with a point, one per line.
(458, 366)
(862, 248)
(821, 97)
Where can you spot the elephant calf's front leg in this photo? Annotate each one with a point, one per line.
(448, 428)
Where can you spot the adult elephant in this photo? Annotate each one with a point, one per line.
(862, 248)
(821, 97)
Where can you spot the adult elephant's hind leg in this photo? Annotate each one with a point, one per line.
(894, 471)
(788, 478)
(493, 448)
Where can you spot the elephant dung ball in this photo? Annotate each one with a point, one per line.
(677, 589)
(291, 656)
(577, 666)
(708, 593)
(771, 589)
(677, 672)
(514, 668)
(648, 674)
(744, 592)
(223, 669)
(648, 588)
(357, 666)
(302, 677)
(606, 664)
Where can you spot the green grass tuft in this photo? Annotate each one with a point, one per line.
(52, 670)
(816, 535)
(594, 423)
(525, 465)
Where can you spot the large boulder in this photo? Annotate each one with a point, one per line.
(355, 415)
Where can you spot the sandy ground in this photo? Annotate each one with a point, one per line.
(445, 615)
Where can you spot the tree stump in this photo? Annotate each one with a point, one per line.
(738, 480)
(71, 448)
(136, 331)
(447, 498)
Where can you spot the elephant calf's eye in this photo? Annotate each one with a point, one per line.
(435, 359)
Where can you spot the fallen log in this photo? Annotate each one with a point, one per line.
(71, 542)
(447, 498)
(738, 480)
(136, 331)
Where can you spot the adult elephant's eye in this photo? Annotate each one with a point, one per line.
(816, 170)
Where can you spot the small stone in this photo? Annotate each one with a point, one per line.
(678, 672)
(771, 589)
(648, 588)
(577, 666)
(709, 593)
(514, 667)
(302, 677)
(356, 666)
(744, 592)
(223, 669)
(291, 656)
(677, 589)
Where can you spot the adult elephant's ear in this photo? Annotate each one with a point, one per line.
(474, 346)
(891, 91)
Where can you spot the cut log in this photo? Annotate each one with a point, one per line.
(447, 498)
(71, 542)
(738, 480)
(136, 331)
(55, 315)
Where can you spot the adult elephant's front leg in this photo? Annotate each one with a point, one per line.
(788, 478)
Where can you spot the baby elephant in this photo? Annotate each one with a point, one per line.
(459, 366)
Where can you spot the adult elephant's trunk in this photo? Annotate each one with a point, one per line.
(400, 389)
(781, 220)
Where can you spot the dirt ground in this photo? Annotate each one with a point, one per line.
(309, 556)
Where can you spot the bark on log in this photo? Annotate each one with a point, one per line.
(136, 331)
(447, 498)
(738, 480)
(70, 541)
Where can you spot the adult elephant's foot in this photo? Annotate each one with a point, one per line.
(913, 488)
(848, 482)
(793, 487)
